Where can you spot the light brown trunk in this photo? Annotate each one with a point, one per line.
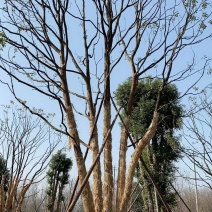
(2, 193)
(97, 175)
(134, 159)
(121, 166)
(74, 139)
(97, 182)
(25, 188)
(12, 191)
(123, 144)
(108, 168)
(86, 194)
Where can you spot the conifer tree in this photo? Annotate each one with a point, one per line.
(57, 178)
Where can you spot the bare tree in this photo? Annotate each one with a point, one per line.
(35, 199)
(25, 144)
(197, 134)
(64, 45)
(186, 189)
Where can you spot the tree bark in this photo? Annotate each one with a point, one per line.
(148, 203)
(108, 167)
(75, 141)
(134, 159)
(121, 166)
(123, 144)
(2, 193)
(97, 182)
(155, 166)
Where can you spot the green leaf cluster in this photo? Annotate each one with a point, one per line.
(59, 168)
(57, 177)
(165, 149)
(4, 171)
(2, 40)
(144, 104)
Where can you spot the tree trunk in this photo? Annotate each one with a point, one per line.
(86, 194)
(74, 139)
(155, 166)
(59, 198)
(108, 167)
(54, 191)
(123, 144)
(97, 181)
(11, 194)
(121, 166)
(148, 202)
(2, 193)
(97, 174)
(134, 159)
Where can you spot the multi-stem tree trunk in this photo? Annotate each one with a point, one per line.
(134, 159)
(11, 194)
(97, 182)
(94, 143)
(123, 145)
(122, 164)
(75, 142)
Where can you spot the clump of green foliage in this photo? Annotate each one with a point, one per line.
(57, 178)
(164, 149)
(4, 171)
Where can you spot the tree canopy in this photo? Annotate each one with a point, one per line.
(57, 178)
(145, 97)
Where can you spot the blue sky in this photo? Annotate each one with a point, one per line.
(120, 74)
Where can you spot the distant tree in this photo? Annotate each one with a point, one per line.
(163, 149)
(197, 134)
(25, 147)
(57, 178)
(186, 189)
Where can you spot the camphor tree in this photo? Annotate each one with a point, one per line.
(57, 177)
(72, 52)
(26, 143)
(163, 150)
